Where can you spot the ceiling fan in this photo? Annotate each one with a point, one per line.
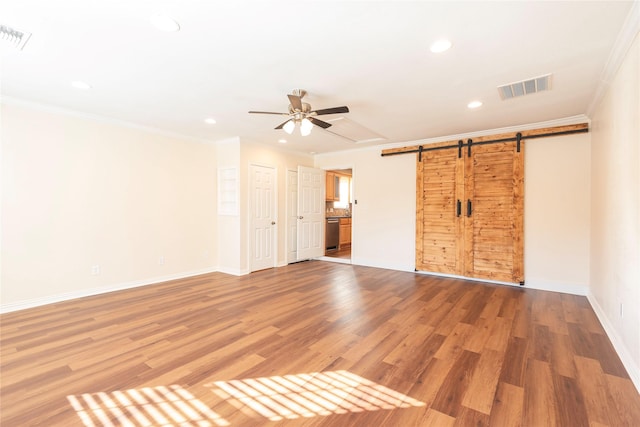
(302, 114)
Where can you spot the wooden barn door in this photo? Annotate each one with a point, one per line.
(470, 207)
(494, 187)
(440, 184)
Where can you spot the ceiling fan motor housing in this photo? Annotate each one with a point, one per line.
(305, 108)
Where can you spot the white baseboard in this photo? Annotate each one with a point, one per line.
(377, 264)
(36, 302)
(333, 259)
(555, 286)
(623, 352)
(233, 271)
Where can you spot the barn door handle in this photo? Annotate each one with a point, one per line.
(458, 208)
(469, 210)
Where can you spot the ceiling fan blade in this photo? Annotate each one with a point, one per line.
(296, 102)
(268, 112)
(281, 125)
(334, 110)
(320, 123)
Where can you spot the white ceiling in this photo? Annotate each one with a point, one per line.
(373, 56)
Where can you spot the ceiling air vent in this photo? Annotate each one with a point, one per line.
(13, 37)
(525, 87)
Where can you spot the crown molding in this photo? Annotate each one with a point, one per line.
(9, 100)
(626, 36)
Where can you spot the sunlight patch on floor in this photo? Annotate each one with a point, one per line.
(275, 398)
(308, 395)
(148, 406)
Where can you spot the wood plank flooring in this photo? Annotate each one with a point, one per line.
(314, 344)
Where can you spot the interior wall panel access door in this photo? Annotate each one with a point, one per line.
(470, 207)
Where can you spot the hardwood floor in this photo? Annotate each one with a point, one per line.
(314, 344)
(343, 253)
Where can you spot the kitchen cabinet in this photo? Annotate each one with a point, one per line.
(330, 186)
(338, 187)
(345, 232)
(470, 210)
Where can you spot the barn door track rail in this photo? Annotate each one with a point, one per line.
(489, 139)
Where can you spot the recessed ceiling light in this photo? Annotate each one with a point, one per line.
(164, 23)
(440, 46)
(474, 104)
(282, 141)
(210, 120)
(81, 85)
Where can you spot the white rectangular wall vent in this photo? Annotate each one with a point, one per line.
(525, 87)
(13, 37)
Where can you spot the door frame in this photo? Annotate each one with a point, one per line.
(288, 225)
(353, 209)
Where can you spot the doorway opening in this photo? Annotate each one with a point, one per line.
(338, 211)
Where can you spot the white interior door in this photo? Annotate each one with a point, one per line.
(263, 217)
(311, 219)
(292, 216)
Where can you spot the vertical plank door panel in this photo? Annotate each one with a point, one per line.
(494, 182)
(439, 186)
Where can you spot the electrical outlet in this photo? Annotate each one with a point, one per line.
(161, 260)
(95, 270)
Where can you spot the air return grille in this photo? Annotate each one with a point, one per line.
(13, 37)
(525, 87)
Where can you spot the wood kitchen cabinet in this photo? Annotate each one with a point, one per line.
(345, 232)
(334, 191)
(330, 186)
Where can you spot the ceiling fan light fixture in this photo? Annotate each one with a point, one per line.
(305, 127)
(289, 127)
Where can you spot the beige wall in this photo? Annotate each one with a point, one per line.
(615, 204)
(383, 219)
(557, 213)
(79, 192)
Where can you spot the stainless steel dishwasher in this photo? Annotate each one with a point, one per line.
(333, 234)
